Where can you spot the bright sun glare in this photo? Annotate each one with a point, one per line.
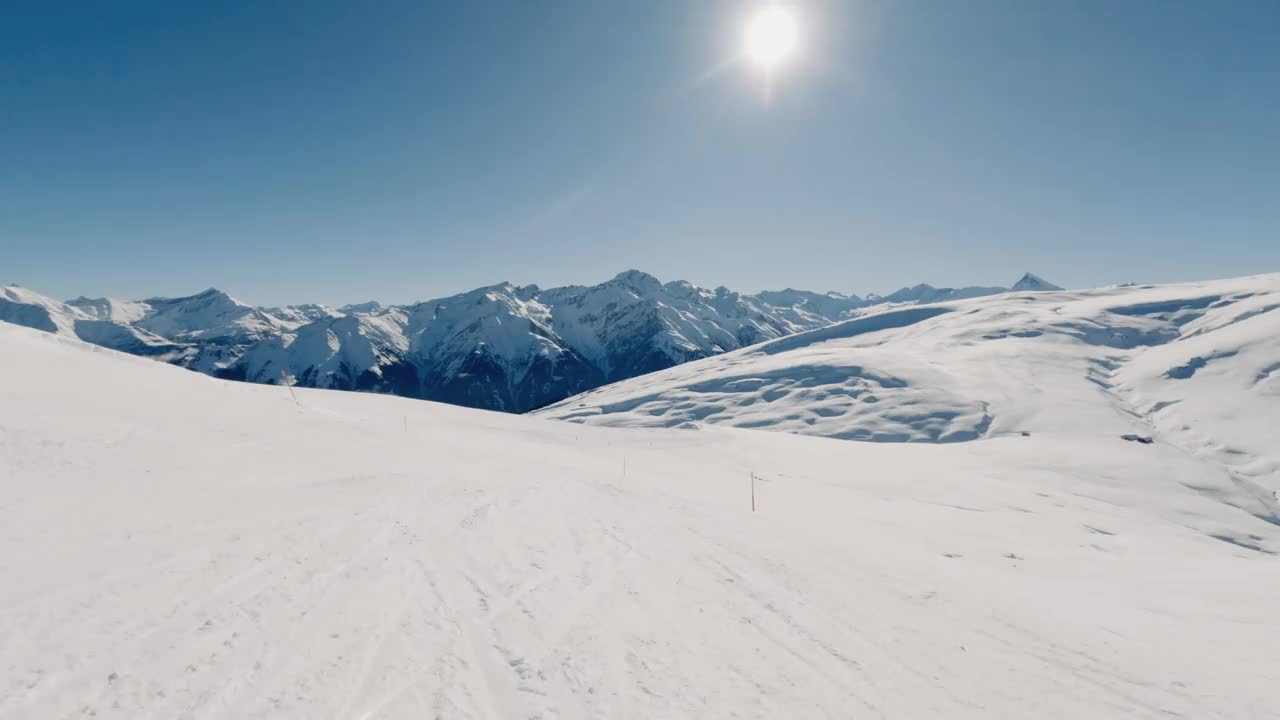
(772, 34)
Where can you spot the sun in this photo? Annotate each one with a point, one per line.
(772, 35)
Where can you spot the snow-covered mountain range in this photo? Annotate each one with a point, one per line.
(501, 347)
(178, 546)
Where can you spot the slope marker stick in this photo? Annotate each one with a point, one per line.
(753, 492)
(289, 385)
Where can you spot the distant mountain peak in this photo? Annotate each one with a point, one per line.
(1034, 283)
(207, 294)
(638, 280)
(370, 307)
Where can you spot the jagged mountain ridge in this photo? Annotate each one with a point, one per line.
(501, 347)
(23, 307)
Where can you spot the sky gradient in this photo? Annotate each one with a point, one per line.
(322, 151)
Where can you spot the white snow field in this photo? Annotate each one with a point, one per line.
(174, 546)
(1194, 365)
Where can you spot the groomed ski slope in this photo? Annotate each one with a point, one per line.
(173, 546)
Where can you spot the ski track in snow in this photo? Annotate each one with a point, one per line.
(179, 547)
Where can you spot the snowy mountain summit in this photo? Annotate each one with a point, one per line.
(1033, 283)
(501, 347)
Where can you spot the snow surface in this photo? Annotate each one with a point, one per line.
(178, 546)
(1196, 365)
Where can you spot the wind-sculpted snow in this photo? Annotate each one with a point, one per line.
(833, 400)
(1191, 364)
(500, 347)
(178, 546)
(1214, 391)
(890, 320)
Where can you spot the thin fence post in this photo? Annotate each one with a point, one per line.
(285, 377)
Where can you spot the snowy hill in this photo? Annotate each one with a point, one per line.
(179, 546)
(1193, 365)
(501, 347)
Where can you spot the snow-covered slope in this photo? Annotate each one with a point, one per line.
(214, 328)
(344, 352)
(120, 311)
(299, 315)
(501, 347)
(634, 324)
(829, 306)
(21, 306)
(1195, 365)
(178, 546)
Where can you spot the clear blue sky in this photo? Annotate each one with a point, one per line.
(314, 150)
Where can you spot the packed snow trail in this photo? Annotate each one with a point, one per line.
(174, 546)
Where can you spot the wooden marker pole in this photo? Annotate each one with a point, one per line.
(285, 378)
